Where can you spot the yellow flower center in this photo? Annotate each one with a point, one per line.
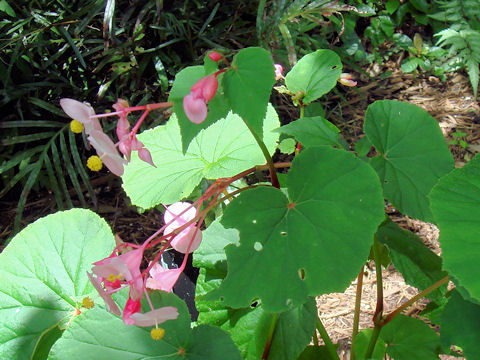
(87, 303)
(76, 126)
(94, 163)
(157, 333)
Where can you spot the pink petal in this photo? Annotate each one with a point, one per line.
(195, 109)
(145, 155)
(162, 279)
(131, 307)
(112, 266)
(111, 305)
(81, 112)
(172, 212)
(107, 151)
(182, 243)
(123, 127)
(155, 317)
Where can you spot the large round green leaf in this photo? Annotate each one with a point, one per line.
(224, 149)
(413, 154)
(310, 243)
(314, 75)
(42, 271)
(455, 202)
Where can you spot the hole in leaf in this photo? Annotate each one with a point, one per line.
(289, 302)
(258, 246)
(254, 304)
(254, 221)
(283, 233)
(221, 298)
(301, 274)
(334, 67)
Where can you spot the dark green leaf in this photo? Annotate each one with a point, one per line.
(361, 345)
(334, 198)
(413, 154)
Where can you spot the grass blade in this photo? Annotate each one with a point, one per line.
(26, 138)
(60, 177)
(54, 183)
(81, 167)
(30, 123)
(17, 159)
(74, 47)
(47, 106)
(71, 171)
(15, 179)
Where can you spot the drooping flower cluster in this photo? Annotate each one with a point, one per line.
(83, 114)
(122, 268)
(347, 80)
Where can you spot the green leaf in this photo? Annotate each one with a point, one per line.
(413, 154)
(314, 75)
(312, 131)
(217, 107)
(361, 345)
(224, 149)
(290, 246)
(211, 251)
(363, 146)
(103, 335)
(408, 338)
(459, 325)
(6, 8)
(42, 271)
(315, 353)
(419, 266)
(455, 203)
(248, 85)
(409, 65)
(473, 74)
(391, 6)
(287, 146)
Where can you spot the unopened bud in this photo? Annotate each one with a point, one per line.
(214, 56)
(346, 79)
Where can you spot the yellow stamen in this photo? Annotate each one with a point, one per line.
(94, 163)
(76, 126)
(157, 333)
(111, 278)
(87, 303)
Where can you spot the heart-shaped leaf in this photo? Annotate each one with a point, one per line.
(289, 247)
(248, 85)
(43, 272)
(314, 75)
(413, 154)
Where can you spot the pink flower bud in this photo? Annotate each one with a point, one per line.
(214, 56)
(346, 79)
(195, 109)
(190, 237)
(278, 72)
(145, 155)
(205, 88)
(162, 279)
(131, 307)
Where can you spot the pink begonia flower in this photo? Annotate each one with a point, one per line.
(162, 279)
(81, 112)
(195, 103)
(131, 307)
(346, 79)
(278, 72)
(183, 240)
(111, 305)
(155, 317)
(107, 152)
(126, 268)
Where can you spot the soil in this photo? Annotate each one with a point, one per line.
(451, 103)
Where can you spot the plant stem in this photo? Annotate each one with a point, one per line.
(377, 316)
(421, 294)
(271, 331)
(326, 339)
(356, 315)
(373, 341)
(266, 154)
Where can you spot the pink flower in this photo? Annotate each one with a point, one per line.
(125, 268)
(346, 79)
(106, 296)
(195, 103)
(107, 151)
(154, 317)
(81, 112)
(278, 72)
(131, 307)
(177, 215)
(162, 279)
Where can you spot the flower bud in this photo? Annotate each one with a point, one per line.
(214, 56)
